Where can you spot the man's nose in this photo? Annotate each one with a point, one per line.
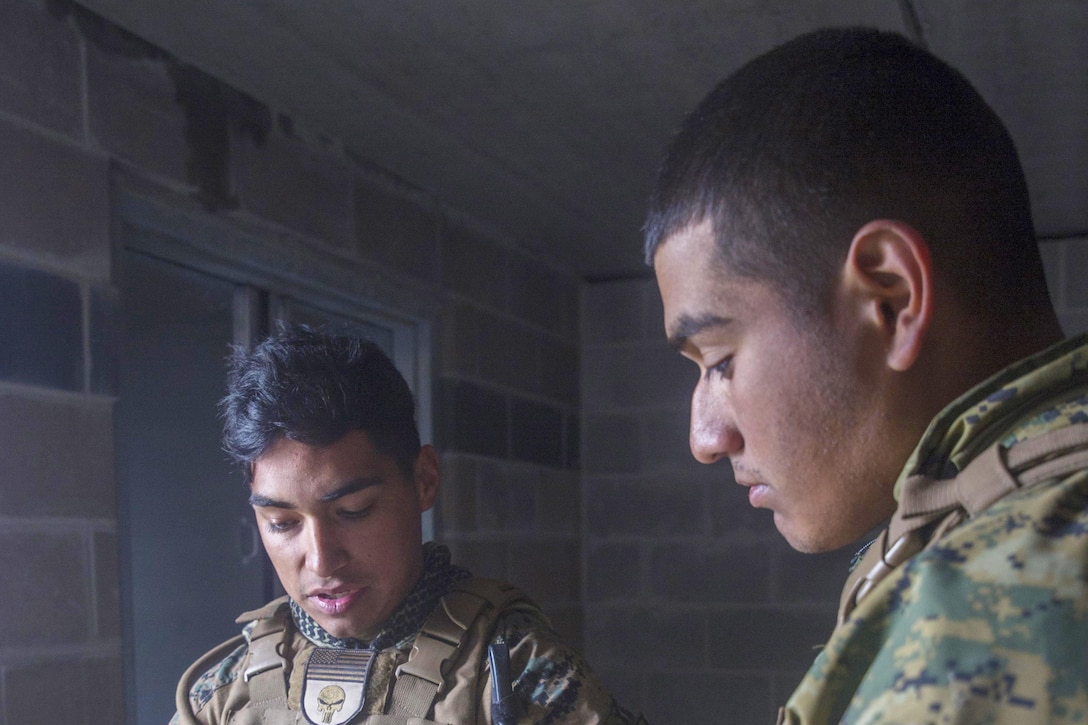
(325, 552)
(713, 434)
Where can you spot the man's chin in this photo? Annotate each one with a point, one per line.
(800, 539)
(343, 628)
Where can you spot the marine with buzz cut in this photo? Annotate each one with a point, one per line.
(843, 242)
(377, 627)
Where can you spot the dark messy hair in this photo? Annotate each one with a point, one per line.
(314, 388)
(788, 157)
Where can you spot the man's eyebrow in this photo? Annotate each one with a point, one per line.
(357, 484)
(687, 326)
(256, 499)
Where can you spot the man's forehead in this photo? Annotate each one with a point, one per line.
(690, 242)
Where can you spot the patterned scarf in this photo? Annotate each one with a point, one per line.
(439, 576)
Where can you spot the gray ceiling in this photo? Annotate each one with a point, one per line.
(547, 118)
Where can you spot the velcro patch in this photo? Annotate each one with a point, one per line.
(334, 688)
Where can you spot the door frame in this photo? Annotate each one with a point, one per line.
(266, 267)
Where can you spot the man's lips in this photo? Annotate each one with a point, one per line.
(757, 492)
(334, 600)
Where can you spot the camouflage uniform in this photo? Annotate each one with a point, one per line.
(973, 606)
(552, 682)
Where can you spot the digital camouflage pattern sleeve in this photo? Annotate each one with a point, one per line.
(554, 682)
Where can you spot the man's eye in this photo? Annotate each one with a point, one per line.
(279, 527)
(356, 513)
(722, 369)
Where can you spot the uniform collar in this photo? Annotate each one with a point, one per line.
(1030, 397)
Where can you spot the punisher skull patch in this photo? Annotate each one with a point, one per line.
(334, 687)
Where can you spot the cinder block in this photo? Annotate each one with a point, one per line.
(644, 507)
(133, 112)
(472, 419)
(682, 696)
(457, 497)
(44, 597)
(1074, 323)
(612, 443)
(614, 311)
(460, 336)
(536, 432)
(771, 639)
(704, 572)
(105, 696)
(475, 267)
(509, 353)
(559, 375)
(494, 493)
(72, 691)
(613, 572)
(648, 374)
(42, 329)
(483, 557)
(57, 457)
(572, 440)
(47, 692)
(810, 578)
(40, 69)
(627, 686)
(397, 230)
(653, 315)
(543, 296)
(507, 497)
(54, 202)
(559, 502)
(567, 621)
(301, 188)
(666, 432)
(550, 571)
(620, 635)
(783, 684)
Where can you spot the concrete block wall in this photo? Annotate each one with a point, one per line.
(85, 110)
(507, 403)
(60, 648)
(696, 609)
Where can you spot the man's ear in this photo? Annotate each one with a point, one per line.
(889, 269)
(426, 476)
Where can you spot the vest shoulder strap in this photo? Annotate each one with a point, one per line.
(264, 643)
(936, 506)
(264, 667)
(261, 656)
(422, 678)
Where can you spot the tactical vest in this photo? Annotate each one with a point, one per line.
(440, 678)
(930, 508)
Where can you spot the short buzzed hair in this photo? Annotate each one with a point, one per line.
(789, 156)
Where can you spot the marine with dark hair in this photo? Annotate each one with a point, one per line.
(842, 238)
(377, 627)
